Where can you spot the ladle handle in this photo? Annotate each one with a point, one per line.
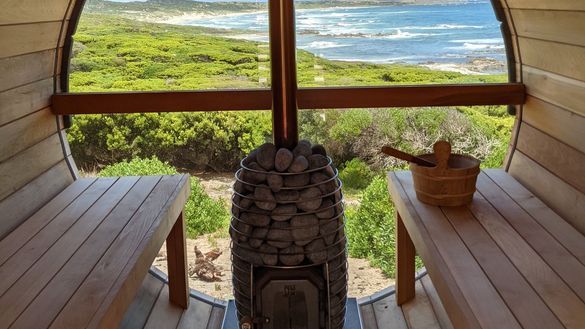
(406, 157)
(442, 150)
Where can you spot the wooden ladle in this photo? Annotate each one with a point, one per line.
(406, 156)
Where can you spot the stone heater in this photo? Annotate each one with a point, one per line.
(289, 256)
(288, 243)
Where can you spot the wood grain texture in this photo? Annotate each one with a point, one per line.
(554, 57)
(544, 4)
(24, 100)
(460, 314)
(308, 98)
(557, 157)
(35, 195)
(551, 221)
(19, 170)
(559, 297)
(557, 26)
(25, 69)
(26, 132)
(566, 201)
(388, 314)
(555, 121)
(177, 264)
(569, 268)
(31, 11)
(124, 288)
(438, 308)
(519, 296)
(196, 316)
(164, 315)
(405, 267)
(140, 309)
(555, 89)
(69, 224)
(418, 313)
(29, 38)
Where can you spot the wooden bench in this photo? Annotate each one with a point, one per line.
(80, 259)
(504, 261)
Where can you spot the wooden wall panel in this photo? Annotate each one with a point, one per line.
(563, 59)
(34, 195)
(28, 164)
(562, 91)
(552, 154)
(29, 38)
(558, 26)
(24, 100)
(22, 70)
(564, 199)
(32, 11)
(26, 132)
(557, 122)
(548, 4)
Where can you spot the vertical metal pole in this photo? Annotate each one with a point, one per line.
(283, 73)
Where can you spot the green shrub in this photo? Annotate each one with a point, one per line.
(202, 213)
(370, 227)
(356, 174)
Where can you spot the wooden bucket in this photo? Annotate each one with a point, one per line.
(451, 182)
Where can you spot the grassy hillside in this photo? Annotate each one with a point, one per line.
(113, 53)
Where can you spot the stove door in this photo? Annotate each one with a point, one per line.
(290, 304)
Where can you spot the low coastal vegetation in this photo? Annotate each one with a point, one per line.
(117, 54)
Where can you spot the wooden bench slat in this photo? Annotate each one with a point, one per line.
(111, 310)
(569, 268)
(559, 228)
(553, 290)
(438, 307)
(47, 268)
(59, 288)
(85, 301)
(451, 296)
(418, 313)
(388, 314)
(519, 296)
(484, 300)
(28, 254)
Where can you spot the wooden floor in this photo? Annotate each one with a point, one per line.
(151, 309)
(425, 311)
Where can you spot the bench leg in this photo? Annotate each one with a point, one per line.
(177, 263)
(405, 267)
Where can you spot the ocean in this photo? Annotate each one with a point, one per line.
(413, 34)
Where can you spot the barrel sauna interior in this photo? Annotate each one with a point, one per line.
(546, 153)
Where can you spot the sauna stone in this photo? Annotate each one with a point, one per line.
(327, 230)
(265, 156)
(319, 149)
(269, 254)
(317, 161)
(283, 212)
(311, 199)
(257, 237)
(283, 160)
(264, 198)
(292, 255)
(299, 180)
(255, 219)
(254, 177)
(279, 235)
(299, 164)
(316, 252)
(326, 210)
(275, 182)
(287, 195)
(303, 148)
(305, 228)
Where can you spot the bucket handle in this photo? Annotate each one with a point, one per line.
(442, 150)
